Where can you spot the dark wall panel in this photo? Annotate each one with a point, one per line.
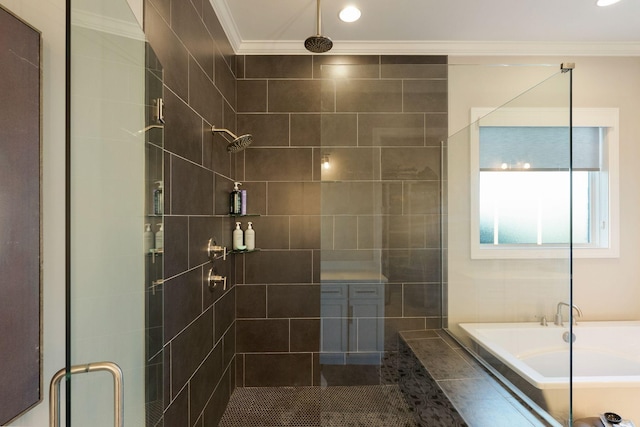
(19, 216)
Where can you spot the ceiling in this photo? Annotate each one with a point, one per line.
(451, 27)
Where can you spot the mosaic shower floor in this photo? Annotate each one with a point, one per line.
(334, 406)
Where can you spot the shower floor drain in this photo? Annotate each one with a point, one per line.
(366, 406)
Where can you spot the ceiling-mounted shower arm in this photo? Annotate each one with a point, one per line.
(318, 19)
(318, 43)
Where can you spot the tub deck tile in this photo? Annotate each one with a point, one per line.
(457, 378)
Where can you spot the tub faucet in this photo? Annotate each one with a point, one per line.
(558, 321)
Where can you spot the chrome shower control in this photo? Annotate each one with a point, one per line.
(213, 279)
(214, 251)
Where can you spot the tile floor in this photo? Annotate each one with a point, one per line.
(334, 406)
(430, 382)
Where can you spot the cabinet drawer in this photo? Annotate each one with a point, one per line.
(333, 291)
(366, 290)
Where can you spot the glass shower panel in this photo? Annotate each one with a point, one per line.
(507, 235)
(379, 167)
(107, 210)
(154, 250)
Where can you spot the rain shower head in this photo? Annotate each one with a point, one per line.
(238, 143)
(318, 43)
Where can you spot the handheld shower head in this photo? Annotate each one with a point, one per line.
(238, 143)
(318, 43)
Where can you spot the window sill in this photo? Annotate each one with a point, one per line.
(510, 252)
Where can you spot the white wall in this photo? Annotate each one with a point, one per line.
(48, 16)
(499, 290)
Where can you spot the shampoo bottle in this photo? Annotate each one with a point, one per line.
(243, 202)
(250, 237)
(237, 238)
(235, 200)
(158, 200)
(160, 237)
(147, 238)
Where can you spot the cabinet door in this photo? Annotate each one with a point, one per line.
(333, 299)
(366, 323)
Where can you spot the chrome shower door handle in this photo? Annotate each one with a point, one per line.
(118, 392)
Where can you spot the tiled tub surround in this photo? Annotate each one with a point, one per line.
(377, 208)
(474, 393)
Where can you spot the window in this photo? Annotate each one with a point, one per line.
(521, 183)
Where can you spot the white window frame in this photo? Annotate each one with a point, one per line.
(605, 246)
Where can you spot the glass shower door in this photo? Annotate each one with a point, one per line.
(106, 292)
(508, 237)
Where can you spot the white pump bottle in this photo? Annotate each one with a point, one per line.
(237, 238)
(250, 237)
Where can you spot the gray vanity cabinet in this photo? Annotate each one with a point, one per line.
(352, 326)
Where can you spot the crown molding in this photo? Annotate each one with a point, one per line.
(453, 48)
(228, 24)
(420, 47)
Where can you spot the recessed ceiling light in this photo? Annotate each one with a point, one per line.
(349, 14)
(606, 2)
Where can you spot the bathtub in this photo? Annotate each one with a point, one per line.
(535, 358)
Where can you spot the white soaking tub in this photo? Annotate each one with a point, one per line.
(606, 364)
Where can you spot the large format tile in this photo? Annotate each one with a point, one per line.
(346, 66)
(296, 96)
(189, 349)
(278, 267)
(182, 302)
(268, 130)
(429, 96)
(251, 96)
(200, 385)
(293, 301)
(186, 197)
(278, 66)
(266, 370)
(369, 96)
(262, 335)
(293, 198)
(278, 164)
(182, 130)
(190, 29)
(391, 130)
(251, 301)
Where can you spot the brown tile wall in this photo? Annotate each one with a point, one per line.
(198, 328)
(381, 123)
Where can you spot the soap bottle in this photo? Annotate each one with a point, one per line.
(148, 238)
(237, 238)
(160, 237)
(250, 237)
(235, 200)
(158, 200)
(243, 202)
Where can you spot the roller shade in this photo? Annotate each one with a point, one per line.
(542, 148)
